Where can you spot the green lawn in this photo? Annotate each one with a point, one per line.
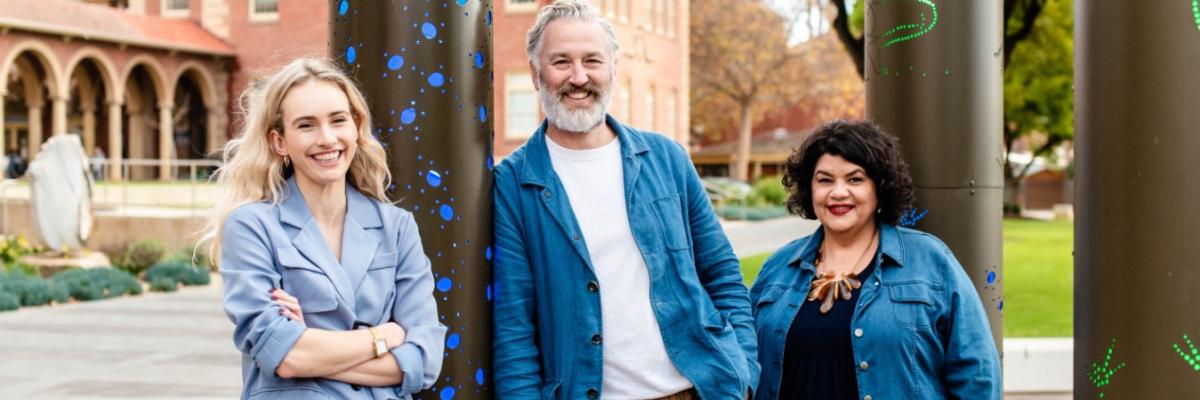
(1038, 278)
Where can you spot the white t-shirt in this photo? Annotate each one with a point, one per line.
(636, 365)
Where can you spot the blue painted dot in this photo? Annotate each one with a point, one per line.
(489, 292)
(1000, 306)
(488, 254)
(453, 340)
(436, 79)
(991, 277)
(479, 376)
(447, 212)
(447, 393)
(444, 284)
(351, 54)
(433, 178)
(408, 116)
(395, 62)
(482, 113)
(428, 30)
(462, 2)
(479, 59)
(342, 8)
(489, 17)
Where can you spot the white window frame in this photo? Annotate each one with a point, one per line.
(671, 15)
(519, 82)
(673, 114)
(523, 7)
(168, 12)
(625, 103)
(256, 16)
(651, 112)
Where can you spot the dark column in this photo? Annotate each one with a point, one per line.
(1137, 124)
(933, 71)
(426, 70)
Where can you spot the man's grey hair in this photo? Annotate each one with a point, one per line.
(574, 9)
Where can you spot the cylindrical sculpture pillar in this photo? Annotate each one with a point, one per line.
(1137, 124)
(425, 68)
(933, 71)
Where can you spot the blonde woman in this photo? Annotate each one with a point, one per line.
(325, 280)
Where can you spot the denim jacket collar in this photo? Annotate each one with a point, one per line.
(538, 170)
(889, 244)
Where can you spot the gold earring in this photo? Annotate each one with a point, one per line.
(287, 161)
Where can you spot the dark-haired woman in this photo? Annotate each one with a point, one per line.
(863, 309)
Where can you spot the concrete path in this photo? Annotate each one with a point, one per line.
(758, 237)
(153, 346)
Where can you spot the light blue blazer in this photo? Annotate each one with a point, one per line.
(384, 276)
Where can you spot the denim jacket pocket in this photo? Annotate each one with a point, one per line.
(670, 218)
(912, 302)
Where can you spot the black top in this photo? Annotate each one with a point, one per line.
(818, 359)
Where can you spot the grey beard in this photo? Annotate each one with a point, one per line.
(574, 120)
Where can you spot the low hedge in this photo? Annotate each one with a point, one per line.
(98, 283)
(8, 302)
(178, 270)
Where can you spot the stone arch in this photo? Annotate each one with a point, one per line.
(157, 75)
(204, 139)
(203, 78)
(108, 70)
(45, 56)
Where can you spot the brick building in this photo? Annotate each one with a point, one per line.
(159, 79)
(141, 79)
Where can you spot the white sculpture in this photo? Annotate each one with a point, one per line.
(61, 193)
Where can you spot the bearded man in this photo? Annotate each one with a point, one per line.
(613, 277)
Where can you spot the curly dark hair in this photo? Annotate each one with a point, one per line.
(863, 144)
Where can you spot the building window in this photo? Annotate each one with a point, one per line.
(520, 5)
(670, 17)
(659, 13)
(623, 107)
(175, 8)
(264, 10)
(673, 115)
(520, 106)
(651, 113)
(624, 9)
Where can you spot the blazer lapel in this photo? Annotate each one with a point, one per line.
(358, 244)
(311, 243)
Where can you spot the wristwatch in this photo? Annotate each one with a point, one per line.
(381, 347)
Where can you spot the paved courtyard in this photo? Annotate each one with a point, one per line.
(153, 346)
(179, 346)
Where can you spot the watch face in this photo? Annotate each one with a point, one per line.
(380, 348)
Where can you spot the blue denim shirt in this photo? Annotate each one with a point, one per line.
(919, 330)
(545, 313)
(383, 276)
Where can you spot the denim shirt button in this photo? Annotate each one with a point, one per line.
(546, 194)
(858, 332)
(592, 393)
(575, 237)
(593, 286)
(596, 339)
(863, 365)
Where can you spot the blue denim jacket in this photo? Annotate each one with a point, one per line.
(919, 330)
(383, 276)
(545, 314)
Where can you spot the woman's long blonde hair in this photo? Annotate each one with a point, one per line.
(251, 172)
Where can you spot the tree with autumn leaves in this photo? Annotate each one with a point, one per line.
(741, 68)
